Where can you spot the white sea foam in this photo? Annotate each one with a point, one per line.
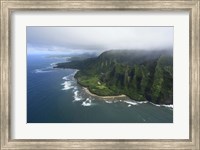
(88, 102)
(70, 76)
(131, 102)
(66, 78)
(109, 102)
(169, 106)
(77, 97)
(67, 85)
(53, 64)
(42, 70)
(162, 105)
(38, 71)
(142, 102)
(75, 88)
(129, 105)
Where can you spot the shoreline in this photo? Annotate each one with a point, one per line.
(112, 98)
(95, 95)
(105, 97)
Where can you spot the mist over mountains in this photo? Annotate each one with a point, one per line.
(77, 39)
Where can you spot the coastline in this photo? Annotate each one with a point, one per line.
(116, 97)
(104, 97)
(111, 98)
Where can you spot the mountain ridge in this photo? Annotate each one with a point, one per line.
(141, 75)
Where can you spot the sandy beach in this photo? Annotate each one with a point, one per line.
(104, 97)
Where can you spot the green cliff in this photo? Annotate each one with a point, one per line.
(141, 75)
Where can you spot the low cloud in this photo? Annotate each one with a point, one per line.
(98, 38)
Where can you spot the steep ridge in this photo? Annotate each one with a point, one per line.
(139, 74)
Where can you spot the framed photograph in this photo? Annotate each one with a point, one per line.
(100, 74)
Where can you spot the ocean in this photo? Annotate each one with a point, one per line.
(53, 96)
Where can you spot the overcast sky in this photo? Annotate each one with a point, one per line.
(65, 39)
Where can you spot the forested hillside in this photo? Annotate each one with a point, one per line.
(141, 75)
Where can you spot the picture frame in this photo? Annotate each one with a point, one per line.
(9, 7)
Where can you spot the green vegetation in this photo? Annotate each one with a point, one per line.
(141, 75)
(94, 84)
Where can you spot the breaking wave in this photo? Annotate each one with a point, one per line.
(88, 102)
(67, 85)
(77, 96)
(131, 103)
(163, 105)
(53, 64)
(142, 102)
(69, 82)
(43, 70)
(109, 102)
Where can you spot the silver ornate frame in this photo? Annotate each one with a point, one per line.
(9, 6)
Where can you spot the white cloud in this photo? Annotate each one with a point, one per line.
(100, 38)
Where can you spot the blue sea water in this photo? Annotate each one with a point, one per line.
(53, 96)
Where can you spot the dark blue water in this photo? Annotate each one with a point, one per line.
(53, 96)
